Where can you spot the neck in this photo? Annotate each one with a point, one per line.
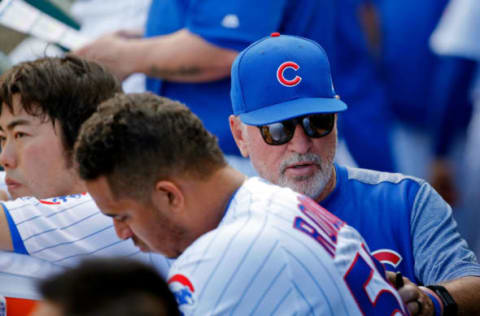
(72, 186)
(329, 187)
(222, 184)
(73, 183)
(79, 187)
(211, 197)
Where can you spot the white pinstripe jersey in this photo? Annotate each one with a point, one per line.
(277, 252)
(59, 232)
(18, 273)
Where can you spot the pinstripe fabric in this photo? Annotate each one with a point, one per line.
(256, 263)
(65, 230)
(18, 274)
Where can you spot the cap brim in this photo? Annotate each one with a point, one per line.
(290, 109)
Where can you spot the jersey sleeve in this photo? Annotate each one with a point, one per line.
(234, 24)
(441, 254)
(64, 230)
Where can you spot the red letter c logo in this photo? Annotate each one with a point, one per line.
(280, 74)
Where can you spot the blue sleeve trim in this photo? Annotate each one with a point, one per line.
(17, 241)
(437, 306)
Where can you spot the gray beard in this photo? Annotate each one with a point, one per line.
(311, 186)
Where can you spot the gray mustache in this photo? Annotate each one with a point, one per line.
(298, 158)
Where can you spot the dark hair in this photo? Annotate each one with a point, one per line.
(110, 287)
(64, 89)
(137, 139)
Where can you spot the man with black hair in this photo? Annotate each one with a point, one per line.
(106, 287)
(42, 106)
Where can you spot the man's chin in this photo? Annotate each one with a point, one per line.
(306, 186)
(140, 245)
(143, 248)
(297, 182)
(15, 194)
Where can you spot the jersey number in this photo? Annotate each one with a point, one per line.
(359, 276)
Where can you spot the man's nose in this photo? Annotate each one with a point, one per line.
(300, 142)
(8, 156)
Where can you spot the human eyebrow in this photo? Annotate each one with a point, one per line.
(15, 123)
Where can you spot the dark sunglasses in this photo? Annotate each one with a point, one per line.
(314, 125)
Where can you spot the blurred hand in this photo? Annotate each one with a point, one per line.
(418, 303)
(107, 50)
(137, 33)
(442, 179)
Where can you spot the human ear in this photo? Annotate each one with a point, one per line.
(168, 195)
(239, 132)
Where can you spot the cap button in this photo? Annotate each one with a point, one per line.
(275, 34)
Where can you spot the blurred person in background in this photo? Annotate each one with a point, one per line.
(457, 40)
(189, 47)
(417, 85)
(106, 287)
(366, 127)
(95, 17)
(98, 17)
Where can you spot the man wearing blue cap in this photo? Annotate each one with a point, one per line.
(285, 112)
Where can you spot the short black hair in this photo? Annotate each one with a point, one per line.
(136, 140)
(65, 89)
(109, 287)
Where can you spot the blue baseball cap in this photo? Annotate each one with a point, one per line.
(281, 77)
